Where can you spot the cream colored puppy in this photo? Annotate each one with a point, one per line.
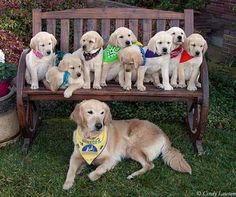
(130, 59)
(178, 38)
(122, 37)
(139, 140)
(91, 52)
(195, 47)
(68, 74)
(40, 58)
(157, 55)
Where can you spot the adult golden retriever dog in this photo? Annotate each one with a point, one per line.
(188, 69)
(40, 58)
(139, 140)
(68, 74)
(122, 37)
(91, 54)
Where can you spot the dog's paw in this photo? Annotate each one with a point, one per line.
(86, 86)
(130, 177)
(97, 87)
(182, 85)
(67, 94)
(141, 88)
(159, 85)
(127, 87)
(67, 185)
(93, 176)
(199, 85)
(191, 88)
(168, 87)
(103, 84)
(174, 85)
(34, 86)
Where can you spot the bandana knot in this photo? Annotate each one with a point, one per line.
(88, 56)
(38, 54)
(174, 53)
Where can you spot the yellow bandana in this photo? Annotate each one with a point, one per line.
(90, 149)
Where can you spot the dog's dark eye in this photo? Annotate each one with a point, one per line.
(83, 40)
(49, 43)
(90, 41)
(121, 37)
(173, 33)
(159, 42)
(90, 112)
(42, 45)
(201, 46)
(193, 45)
(168, 42)
(129, 35)
(182, 33)
(102, 112)
(72, 68)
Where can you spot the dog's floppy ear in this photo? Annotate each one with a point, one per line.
(152, 45)
(77, 115)
(113, 39)
(205, 47)
(62, 66)
(108, 116)
(99, 42)
(34, 43)
(133, 37)
(138, 60)
(54, 41)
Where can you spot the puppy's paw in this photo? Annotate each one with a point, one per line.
(182, 85)
(86, 86)
(141, 87)
(199, 85)
(103, 84)
(168, 87)
(159, 85)
(191, 88)
(97, 86)
(93, 176)
(127, 87)
(130, 177)
(67, 185)
(34, 86)
(67, 93)
(174, 85)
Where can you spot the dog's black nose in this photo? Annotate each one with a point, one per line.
(84, 47)
(127, 42)
(164, 50)
(98, 126)
(78, 74)
(197, 53)
(48, 52)
(179, 38)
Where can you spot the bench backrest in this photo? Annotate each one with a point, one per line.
(69, 25)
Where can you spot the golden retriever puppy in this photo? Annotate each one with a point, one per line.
(122, 37)
(91, 52)
(178, 38)
(130, 59)
(40, 58)
(104, 142)
(191, 59)
(68, 74)
(157, 55)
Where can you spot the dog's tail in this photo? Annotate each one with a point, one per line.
(174, 159)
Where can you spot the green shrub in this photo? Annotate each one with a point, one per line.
(7, 71)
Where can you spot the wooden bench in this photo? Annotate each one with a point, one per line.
(144, 23)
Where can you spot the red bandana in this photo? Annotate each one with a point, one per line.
(185, 57)
(38, 54)
(176, 52)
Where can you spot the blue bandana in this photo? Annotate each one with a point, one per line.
(150, 54)
(65, 79)
(143, 55)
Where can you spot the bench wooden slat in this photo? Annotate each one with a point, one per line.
(174, 23)
(36, 21)
(188, 21)
(147, 30)
(133, 25)
(161, 25)
(65, 29)
(92, 25)
(105, 29)
(120, 23)
(112, 13)
(51, 26)
(78, 32)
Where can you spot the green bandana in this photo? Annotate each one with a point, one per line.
(110, 54)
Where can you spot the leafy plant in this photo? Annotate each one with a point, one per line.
(7, 71)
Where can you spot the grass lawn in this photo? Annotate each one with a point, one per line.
(43, 170)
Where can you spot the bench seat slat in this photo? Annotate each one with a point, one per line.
(133, 25)
(174, 23)
(65, 29)
(51, 26)
(92, 25)
(105, 29)
(78, 32)
(147, 30)
(120, 23)
(161, 25)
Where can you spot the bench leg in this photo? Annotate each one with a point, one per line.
(197, 115)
